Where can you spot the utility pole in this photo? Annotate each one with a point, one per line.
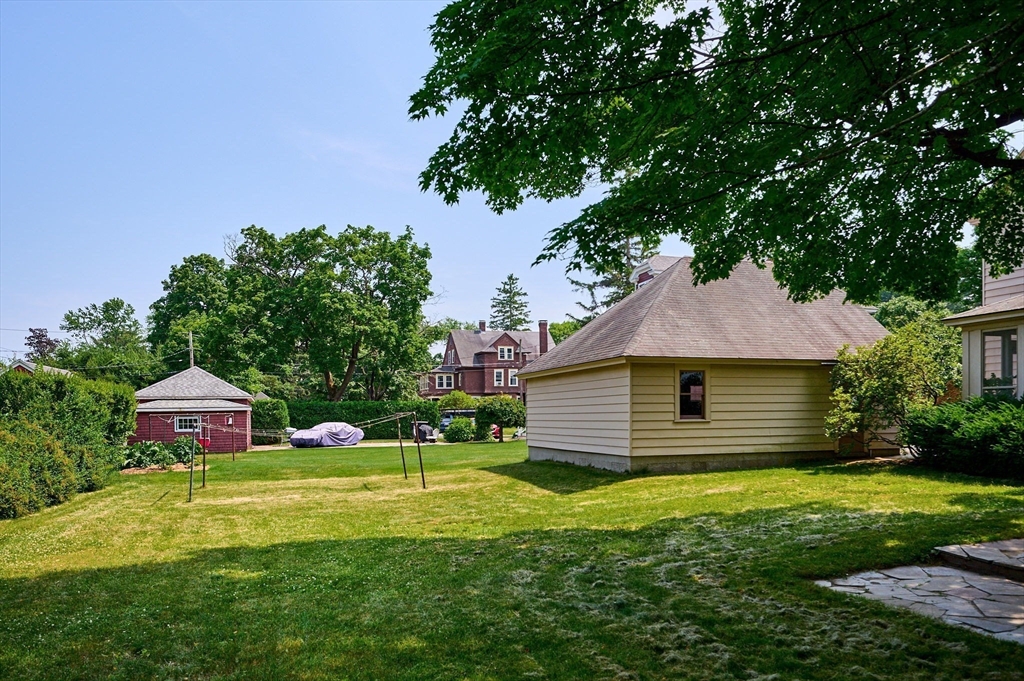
(191, 351)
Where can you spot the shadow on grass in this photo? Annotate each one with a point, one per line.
(867, 467)
(714, 596)
(560, 478)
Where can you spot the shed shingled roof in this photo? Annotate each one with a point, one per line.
(192, 383)
(747, 316)
(191, 405)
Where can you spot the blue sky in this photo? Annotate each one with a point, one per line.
(134, 134)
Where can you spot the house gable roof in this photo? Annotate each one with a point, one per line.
(192, 383)
(469, 343)
(746, 316)
(32, 367)
(503, 340)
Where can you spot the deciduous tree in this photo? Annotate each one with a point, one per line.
(39, 344)
(874, 388)
(848, 142)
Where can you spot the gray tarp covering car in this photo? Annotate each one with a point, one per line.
(330, 434)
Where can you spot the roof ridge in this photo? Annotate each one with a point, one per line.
(665, 277)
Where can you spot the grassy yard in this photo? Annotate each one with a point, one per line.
(327, 564)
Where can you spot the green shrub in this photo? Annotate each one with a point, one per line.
(268, 415)
(874, 387)
(148, 453)
(308, 414)
(89, 420)
(456, 399)
(35, 472)
(983, 436)
(459, 430)
(500, 410)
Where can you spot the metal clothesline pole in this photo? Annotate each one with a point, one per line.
(419, 452)
(401, 447)
(192, 465)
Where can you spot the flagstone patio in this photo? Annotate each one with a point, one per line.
(987, 604)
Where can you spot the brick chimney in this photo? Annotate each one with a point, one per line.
(542, 327)
(483, 325)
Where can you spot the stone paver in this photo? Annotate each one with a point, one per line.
(989, 605)
(1004, 558)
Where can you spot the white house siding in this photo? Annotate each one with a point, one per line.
(753, 409)
(581, 412)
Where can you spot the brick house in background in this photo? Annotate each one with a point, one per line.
(194, 398)
(24, 366)
(482, 363)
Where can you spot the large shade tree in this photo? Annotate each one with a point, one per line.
(347, 306)
(848, 142)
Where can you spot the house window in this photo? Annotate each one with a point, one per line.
(513, 380)
(445, 381)
(505, 352)
(186, 424)
(499, 377)
(451, 357)
(691, 395)
(1000, 369)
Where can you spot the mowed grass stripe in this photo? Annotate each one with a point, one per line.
(329, 564)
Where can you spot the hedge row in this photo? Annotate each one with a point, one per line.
(983, 436)
(35, 471)
(59, 435)
(308, 414)
(269, 415)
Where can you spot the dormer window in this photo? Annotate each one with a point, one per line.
(505, 352)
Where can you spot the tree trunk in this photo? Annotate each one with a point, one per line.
(334, 391)
(350, 371)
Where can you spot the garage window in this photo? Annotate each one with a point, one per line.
(186, 424)
(691, 395)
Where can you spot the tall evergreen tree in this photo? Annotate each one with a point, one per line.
(509, 311)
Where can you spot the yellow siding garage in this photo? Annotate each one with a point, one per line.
(579, 412)
(750, 409)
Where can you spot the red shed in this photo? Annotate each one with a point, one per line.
(190, 399)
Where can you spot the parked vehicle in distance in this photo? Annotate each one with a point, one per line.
(451, 414)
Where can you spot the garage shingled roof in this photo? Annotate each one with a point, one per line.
(747, 316)
(192, 383)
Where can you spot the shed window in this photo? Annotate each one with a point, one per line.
(186, 424)
(691, 395)
(505, 352)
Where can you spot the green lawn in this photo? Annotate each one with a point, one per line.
(327, 564)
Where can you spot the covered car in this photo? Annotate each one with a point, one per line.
(330, 434)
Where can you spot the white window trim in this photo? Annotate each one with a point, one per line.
(513, 379)
(445, 381)
(499, 378)
(178, 419)
(508, 356)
